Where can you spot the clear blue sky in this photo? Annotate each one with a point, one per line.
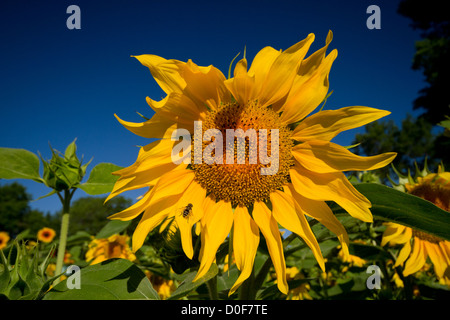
(58, 84)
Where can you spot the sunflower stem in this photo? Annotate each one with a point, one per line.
(63, 233)
(248, 290)
(212, 288)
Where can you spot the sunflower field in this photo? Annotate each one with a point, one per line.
(244, 197)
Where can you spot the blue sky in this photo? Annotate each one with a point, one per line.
(58, 84)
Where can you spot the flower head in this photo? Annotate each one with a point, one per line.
(279, 164)
(419, 245)
(46, 235)
(4, 238)
(116, 246)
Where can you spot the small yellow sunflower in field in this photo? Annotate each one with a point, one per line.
(115, 246)
(46, 235)
(279, 166)
(418, 245)
(4, 238)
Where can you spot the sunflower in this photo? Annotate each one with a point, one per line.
(418, 245)
(300, 292)
(115, 246)
(46, 235)
(4, 238)
(236, 192)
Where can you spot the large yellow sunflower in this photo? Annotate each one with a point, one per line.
(418, 245)
(296, 171)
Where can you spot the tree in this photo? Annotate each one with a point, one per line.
(432, 54)
(90, 214)
(413, 142)
(16, 214)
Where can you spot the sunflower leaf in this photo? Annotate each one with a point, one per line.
(115, 279)
(101, 180)
(19, 164)
(188, 285)
(395, 206)
(112, 227)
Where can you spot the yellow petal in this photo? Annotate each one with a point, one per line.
(402, 237)
(393, 230)
(166, 72)
(269, 228)
(242, 85)
(276, 84)
(323, 156)
(153, 161)
(320, 211)
(325, 125)
(404, 254)
(198, 83)
(194, 195)
(437, 256)
(245, 244)
(292, 218)
(157, 127)
(307, 92)
(164, 196)
(179, 108)
(331, 186)
(219, 220)
(417, 258)
(135, 210)
(313, 62)
(152, 217)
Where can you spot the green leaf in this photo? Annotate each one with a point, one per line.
(101, 179)
(405, 209)
(115, 279)
(19, 164)
(112, 227)
(187, 285)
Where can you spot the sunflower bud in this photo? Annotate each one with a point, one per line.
(63, 172)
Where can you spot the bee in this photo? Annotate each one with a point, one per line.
(187, 210)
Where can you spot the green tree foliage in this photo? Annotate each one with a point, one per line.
(413, 142)
(432, 52)
(16, 214)
(90, 214)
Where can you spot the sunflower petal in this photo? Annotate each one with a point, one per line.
(178, 108)
(152, 217)
(404, 254)
(322, 213)
(307, 92)
(438, 258)
(276, 84)
(245, 244)
(393, 231)
(195, 195)
(157, 127)
(242, 85)
(135, 210)
(325, 125)
(152, 162)
(292, 218)
(218, 222)
(323, 156)
(269, 228)
(417, 259)
(199, 83)
(331, 186)
(167, 73)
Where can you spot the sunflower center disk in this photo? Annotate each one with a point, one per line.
(253, 162)
(436, 194)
